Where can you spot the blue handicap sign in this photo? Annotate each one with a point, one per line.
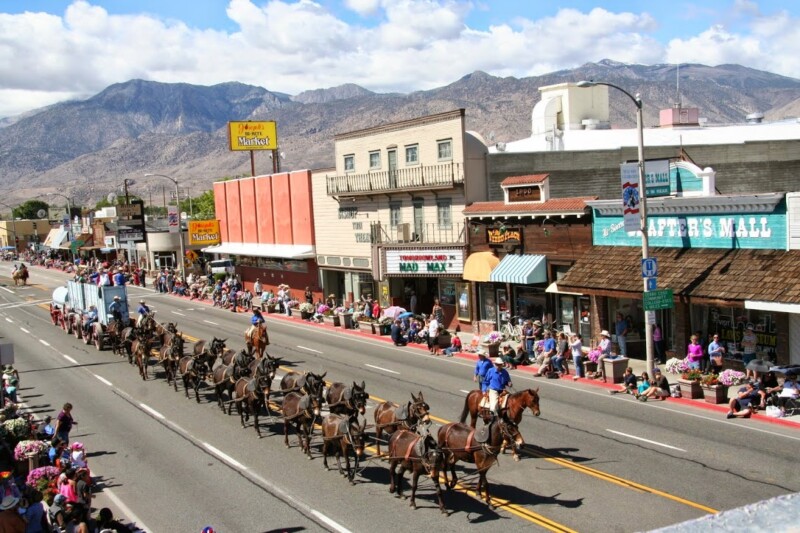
(649, 267)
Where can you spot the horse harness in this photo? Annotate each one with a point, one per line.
(480, 436)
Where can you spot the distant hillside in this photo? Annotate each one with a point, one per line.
(86, 148)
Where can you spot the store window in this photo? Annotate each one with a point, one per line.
(375, 160)
(731, 323)
(445, 150)
(412, 154)
(487, 306)
(444, 216)
(349, 163)
(395, 214)
(164, 259)
(530, 303)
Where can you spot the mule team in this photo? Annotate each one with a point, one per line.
(245, 380)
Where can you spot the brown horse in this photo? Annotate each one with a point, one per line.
(390, 417)
(215, 347)
(515, 407)
(165, 332)
(222, 377)
(258, 342)
(141, 354)
(459, 443)
(300, 410)
(253, 392)
(20, 275)
(340, 434)
(344, 400)
(194, 370)
(418, 454)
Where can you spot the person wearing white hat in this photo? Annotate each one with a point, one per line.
(481, 368)
(605, 352)
(496, 381)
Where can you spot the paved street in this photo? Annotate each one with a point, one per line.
(593, 462)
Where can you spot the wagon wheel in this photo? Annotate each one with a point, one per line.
(77, 329)
(98, 342)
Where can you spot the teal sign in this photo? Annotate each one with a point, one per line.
(764, 231)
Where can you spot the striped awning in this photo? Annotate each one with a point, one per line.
(521, 269)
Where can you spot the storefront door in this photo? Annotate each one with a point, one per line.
(501, 297)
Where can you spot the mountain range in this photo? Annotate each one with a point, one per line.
(85, 149)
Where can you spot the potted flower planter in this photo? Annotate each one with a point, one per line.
(690, 389)
(715, 393)
(271, 308)
(305, 315)
(332, 320)
(493, 348)
(366, 327)
(384, 329)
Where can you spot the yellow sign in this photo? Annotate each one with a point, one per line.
(204, 232)
(253, 135)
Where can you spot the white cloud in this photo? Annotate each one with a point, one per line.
(295, 45)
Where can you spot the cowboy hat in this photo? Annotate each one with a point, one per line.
(116, 297)
(482, 352)
(498, 360)
(331, 295)
(605, 333)
(141, 301)
(537, 322)
(8, 502)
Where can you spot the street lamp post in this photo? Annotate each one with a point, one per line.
(180, 228)
(13, 226)
(637, 100)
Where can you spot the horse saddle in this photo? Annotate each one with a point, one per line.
(300, 382)
(421, 447)
(501, 401)
(347, 394)
(344, 426)
(483, 433)
(251, 386)
(304, 403)
(401, 413)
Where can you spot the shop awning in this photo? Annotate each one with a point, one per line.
(55, 237)
(775, 307)
(283, 251)
(704, 274)
(479, 266)
(521, 269)
(554, 288)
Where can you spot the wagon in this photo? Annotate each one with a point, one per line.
(80, 296)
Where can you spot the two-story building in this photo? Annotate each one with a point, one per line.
(389, 220)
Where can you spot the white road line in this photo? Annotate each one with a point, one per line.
(177, 313)
(309, 349)
(104, 380)
(152, 411)
(645, 440)
(70, 359)
(126, 512)
(381, 368)
(329, 522)
(8, 319)
(189, 309)
(7, 290)
(224, 457)
(209, 322)
(25, 331)
(44, 342)
(464, 391)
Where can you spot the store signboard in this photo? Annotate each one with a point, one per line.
(430, 262)
(657, 300)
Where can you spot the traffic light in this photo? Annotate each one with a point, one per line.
(16, 241)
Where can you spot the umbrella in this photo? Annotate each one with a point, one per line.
(8, 248)
(393, 311)
(759, 365)
(407, 314)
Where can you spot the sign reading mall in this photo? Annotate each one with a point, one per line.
(424, 262)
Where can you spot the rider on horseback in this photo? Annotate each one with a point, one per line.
(256, 321)
(116, 309)
(143, 312)
(497, 379)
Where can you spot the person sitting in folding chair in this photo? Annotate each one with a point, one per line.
(789, 396)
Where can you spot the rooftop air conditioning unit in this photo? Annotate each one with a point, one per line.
(403, 232)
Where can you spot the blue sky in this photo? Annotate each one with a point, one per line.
(383, 45)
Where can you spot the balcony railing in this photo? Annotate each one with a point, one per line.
(408, 233)
(444, 176)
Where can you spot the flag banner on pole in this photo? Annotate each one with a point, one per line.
(173, 219)
(630, 196)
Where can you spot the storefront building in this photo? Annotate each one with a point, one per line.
(726, 258)
(519, 249)
(388, 215)
(266, 224)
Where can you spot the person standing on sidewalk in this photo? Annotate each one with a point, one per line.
(64, 422)
(621, 329)
(576, 345)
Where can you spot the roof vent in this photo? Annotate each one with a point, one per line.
(501, 147)
(755, 118)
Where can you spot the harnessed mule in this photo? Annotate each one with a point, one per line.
(515, 407)
(416, 453)
(141, 354)
(340, 434)
(255, 391)
(307, 383)
(194, 370)
(215, 347)
(344, 400)
(300, 411)
(169, 356)
(390, 417)
(460, 442)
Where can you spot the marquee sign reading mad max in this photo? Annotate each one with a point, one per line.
(424, 262)
(766, 231)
